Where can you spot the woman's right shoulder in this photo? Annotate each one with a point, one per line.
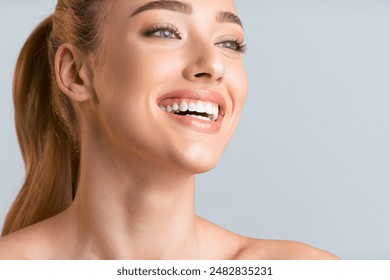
(28, 243)
(13, 247)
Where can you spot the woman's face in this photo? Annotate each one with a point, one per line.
(173, 84)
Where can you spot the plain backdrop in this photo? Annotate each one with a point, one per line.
(310, 160)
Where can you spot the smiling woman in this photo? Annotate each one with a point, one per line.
(118, 105)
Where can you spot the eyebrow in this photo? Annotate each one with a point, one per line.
(185, 8)
(171, 5)
(229, 17)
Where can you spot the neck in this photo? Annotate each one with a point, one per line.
(134, 209)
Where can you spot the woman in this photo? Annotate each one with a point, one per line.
(118, 104)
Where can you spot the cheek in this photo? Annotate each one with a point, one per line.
(238, 89)
(125, 89)
(238, 81)
(130, 81)
(137, 71)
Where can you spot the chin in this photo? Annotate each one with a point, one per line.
(201, 167)
(199, 160)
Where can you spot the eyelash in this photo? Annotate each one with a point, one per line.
(238, 46)
(161, 28)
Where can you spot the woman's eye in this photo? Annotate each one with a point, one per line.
(232, 45)
(165, 31)
(166, 34)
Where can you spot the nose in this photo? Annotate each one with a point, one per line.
(204, 64)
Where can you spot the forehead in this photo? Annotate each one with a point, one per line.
(184, 6)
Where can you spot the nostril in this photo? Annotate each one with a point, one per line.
(200, 75)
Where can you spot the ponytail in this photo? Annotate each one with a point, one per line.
(46, 123)
(46, 130)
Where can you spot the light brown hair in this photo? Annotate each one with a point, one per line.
(46, 122)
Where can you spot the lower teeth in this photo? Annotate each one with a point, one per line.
(198, 117)
(203, 118)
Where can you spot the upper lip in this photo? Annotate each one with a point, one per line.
(198, 94)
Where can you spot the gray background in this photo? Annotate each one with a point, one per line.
(311, 158)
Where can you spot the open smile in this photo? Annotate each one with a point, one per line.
(206, 111)
(200, 109)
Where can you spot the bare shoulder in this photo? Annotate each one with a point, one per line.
(14, 247)
(281, 250)
(33, 242)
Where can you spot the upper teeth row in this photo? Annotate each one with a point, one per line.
(199, 107)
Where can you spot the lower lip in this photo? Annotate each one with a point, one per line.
(210, 127)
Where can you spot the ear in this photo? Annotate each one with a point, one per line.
(73, 75)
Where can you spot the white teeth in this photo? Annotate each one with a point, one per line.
(215, 112)
(204, 118)
(209, 108)
(192, 107)
(200, 108)
(199, 117)
(214, 116)
(212, 110)
(183, 106)
(175, 107)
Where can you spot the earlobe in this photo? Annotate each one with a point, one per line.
(71, 74)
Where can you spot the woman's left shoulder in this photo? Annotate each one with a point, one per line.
(281, 250)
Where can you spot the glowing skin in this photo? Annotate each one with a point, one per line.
(146, 156)
(141, 68)
(135, 197)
